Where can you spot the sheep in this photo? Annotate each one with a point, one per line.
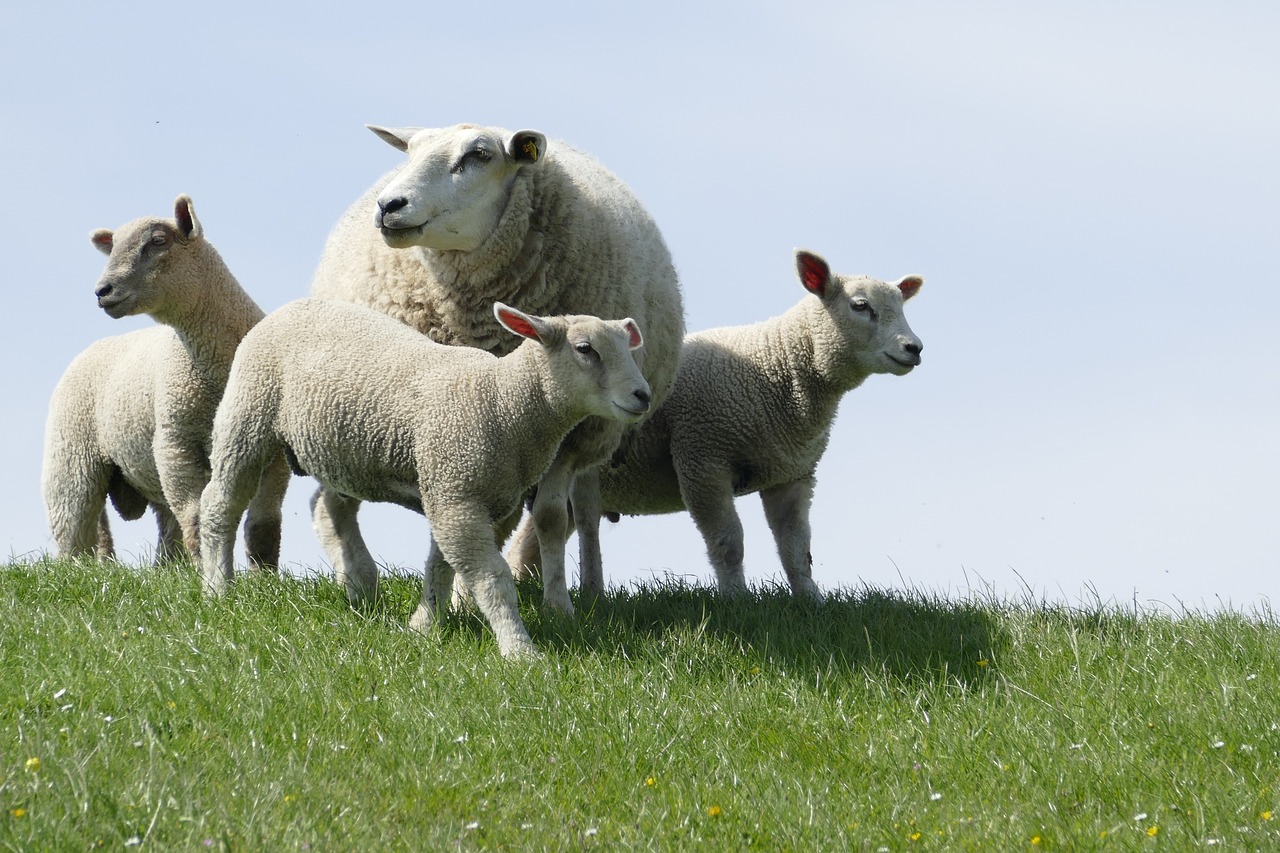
(751, 411)
(130, 419)
(376, 411)
(480, 214)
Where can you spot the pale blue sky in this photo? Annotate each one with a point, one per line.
(1090, 190)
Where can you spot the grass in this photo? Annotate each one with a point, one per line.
(133, 713)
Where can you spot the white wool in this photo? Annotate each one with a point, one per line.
(131, 416)
(482, 214)
(376, 411)
(751, 410)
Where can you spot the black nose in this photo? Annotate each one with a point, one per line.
(393, 205)
(643, 397)
(913, 348)
(102, 290)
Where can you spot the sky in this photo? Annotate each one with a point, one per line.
(1090, 190)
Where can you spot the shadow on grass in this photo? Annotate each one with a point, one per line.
(905, 635)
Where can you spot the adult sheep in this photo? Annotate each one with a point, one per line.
(479, 215)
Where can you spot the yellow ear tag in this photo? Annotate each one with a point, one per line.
(530, 149)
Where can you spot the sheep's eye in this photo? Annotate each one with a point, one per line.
(159, 238)
(475, 155)
(584, 348)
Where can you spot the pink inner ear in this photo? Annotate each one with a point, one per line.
(103, 241)
(183, 214)
(909, 286)
(519, 324)
(813, 274)
(634, 332)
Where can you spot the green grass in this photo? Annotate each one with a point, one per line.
(133, 713)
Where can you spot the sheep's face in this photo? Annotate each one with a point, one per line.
(143, 257)
(874, 320)
(601, 352)
(865, 317)
(452, 193)
(591, 361)
(133, 282)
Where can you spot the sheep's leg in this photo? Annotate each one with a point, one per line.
(183, 476)
(438, 583)
(106, 547)
(234, 482)
(551, 520)
(586, 517)
(501, 532)
(264, 519)
(333, 516)
(169, 547)
(76, 497)
(787, 509)
(468, 546)
(710, 503)
(523, 556)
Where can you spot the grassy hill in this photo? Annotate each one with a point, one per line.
(134, 713)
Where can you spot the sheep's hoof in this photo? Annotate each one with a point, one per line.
(521, 650)
(806, 590)
(361, 595)
(557, 603)
(214, 588)
(460, 599)
(422, 620)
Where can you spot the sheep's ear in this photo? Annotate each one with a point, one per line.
(526, 146)
(635, 339)
(909, 285)
(396, 137)
(184, 210)
(815, 275)
(102, 238)
(522, 324)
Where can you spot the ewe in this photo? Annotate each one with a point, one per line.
(374, 410)
(751, 411)
(131, 416)
(482, 214)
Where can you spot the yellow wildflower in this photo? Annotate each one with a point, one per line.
(915, 836)
(714, 811)
(1036, 841)
(19, 812)
(1152, 831)
(651, 781)
(33, 764)
(1266, 815)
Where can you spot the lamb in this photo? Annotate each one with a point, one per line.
(130, 419)
(376, 411)
(481, 214)
(751, 411)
